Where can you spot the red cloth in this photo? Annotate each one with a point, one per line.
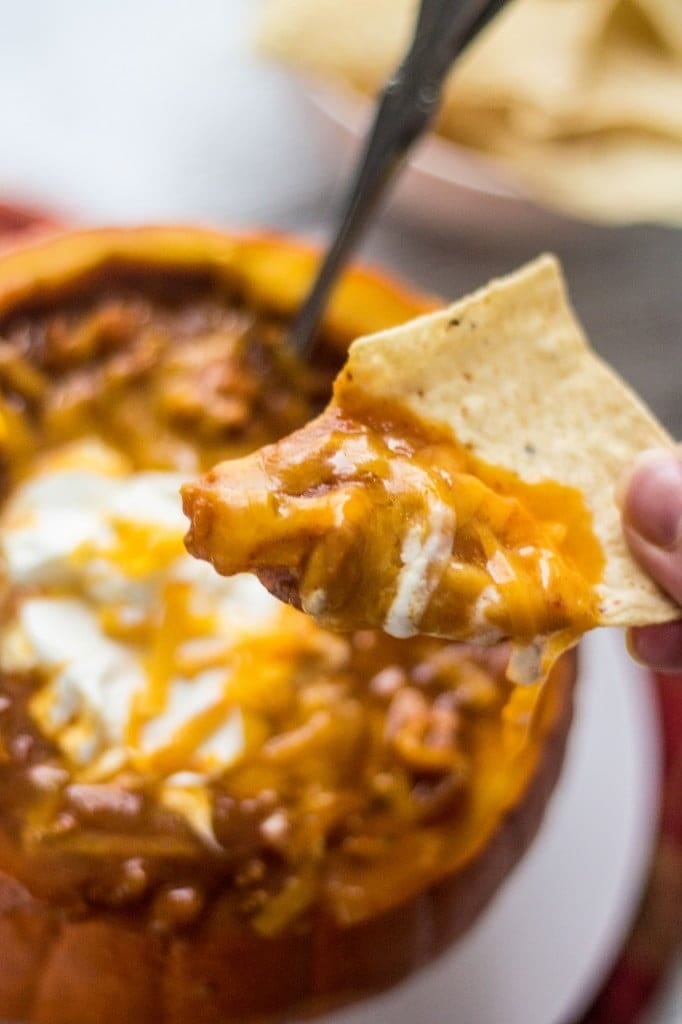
(657, 932)
(20, 223)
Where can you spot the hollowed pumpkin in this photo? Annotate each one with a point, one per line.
(382, 789)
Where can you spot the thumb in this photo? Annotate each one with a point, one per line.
(652, 517)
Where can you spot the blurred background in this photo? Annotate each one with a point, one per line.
(148, 110)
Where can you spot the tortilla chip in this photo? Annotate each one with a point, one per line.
(509, 372)
(358, 42)
(570, 173)
(656, 24)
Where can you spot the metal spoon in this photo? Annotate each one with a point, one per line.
(405, 109)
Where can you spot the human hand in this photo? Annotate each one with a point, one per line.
(652, 523)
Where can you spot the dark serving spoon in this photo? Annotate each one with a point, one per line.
(405, 109)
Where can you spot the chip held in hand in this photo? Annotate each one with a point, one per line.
(460, 484)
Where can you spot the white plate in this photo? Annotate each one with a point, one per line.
(539, 953)
(445, 188)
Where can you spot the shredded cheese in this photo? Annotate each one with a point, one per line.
(147, 657)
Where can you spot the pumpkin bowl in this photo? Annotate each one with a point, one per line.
(342, 808)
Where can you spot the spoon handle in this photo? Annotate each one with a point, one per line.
(405, 109)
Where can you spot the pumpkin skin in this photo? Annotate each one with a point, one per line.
(105, 966)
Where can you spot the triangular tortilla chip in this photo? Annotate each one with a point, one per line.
(653, 23)
(460, 483)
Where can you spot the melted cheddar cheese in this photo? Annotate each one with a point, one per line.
(364, 519)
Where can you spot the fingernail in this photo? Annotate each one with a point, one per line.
(632, 644)
(652, 503)
(658, 647)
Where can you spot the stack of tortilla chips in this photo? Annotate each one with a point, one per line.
(579, 100)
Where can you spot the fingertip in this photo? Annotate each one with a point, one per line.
(632, 645)
(642, 460)
(657, 647)
(650, 496)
